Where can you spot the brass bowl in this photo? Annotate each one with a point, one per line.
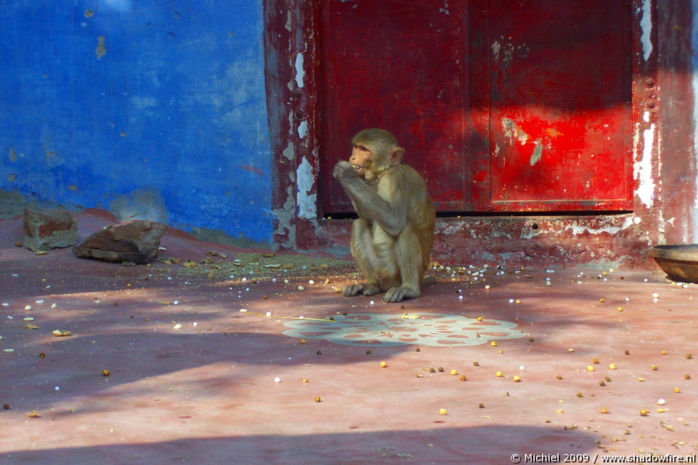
(678, 261)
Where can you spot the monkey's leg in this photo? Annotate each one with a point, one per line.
(409, 258)
(365, 256)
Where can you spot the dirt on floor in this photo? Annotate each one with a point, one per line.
(216, 355)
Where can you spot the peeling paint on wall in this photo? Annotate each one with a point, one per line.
(284, 217)
(303, 130)
(513, 131)
(505, 51)
(101, 50)
(646, 26)
(307, 202)
(578, 229)
(300, 72)
(496, 47)
(289, 152)
(642, 171)
(537, 152)
(612, 240)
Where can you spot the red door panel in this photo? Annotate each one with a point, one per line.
(508, 106)
(399, 65)
(560, 106)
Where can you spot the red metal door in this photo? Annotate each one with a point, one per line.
(517, 105)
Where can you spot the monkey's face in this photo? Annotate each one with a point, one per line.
(360, 160)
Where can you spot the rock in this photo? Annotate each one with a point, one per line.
(46, 229)
(136, 241)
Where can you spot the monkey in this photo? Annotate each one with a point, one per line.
(392, 237)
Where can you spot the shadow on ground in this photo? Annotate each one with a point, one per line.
(495, 444)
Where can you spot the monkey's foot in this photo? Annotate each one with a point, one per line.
(429, 280)
(396, 294)
(366, 289)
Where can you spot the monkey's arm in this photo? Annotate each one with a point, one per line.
(368, 201)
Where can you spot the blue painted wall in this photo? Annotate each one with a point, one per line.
(694, 47)
(149, 108)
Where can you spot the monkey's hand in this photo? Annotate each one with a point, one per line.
(343, 171)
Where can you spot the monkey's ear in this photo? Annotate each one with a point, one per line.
(396, 155)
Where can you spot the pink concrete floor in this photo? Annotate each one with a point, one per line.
(193, 379)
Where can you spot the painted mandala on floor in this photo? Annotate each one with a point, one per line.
(380, 330)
